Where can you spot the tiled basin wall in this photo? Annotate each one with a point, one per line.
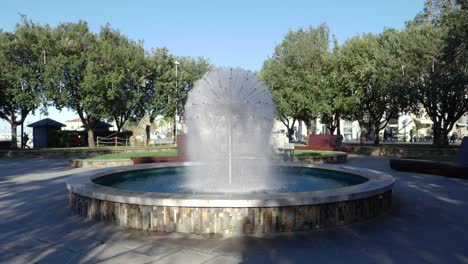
(226, 221)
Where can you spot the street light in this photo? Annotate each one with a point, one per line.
(177, 102)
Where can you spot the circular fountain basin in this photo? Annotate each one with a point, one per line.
(308, 196)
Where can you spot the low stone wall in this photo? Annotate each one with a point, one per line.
(447, 169)
(226, 221)
(397, 152)
(340, 157)
(84, 163)
(72, 153)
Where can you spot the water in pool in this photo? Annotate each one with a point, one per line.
(287, 179)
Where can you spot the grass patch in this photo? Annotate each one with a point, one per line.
(128, 155)
(314, 153)
(438, 159)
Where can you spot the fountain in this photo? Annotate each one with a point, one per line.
(230, 118)
(228, 185)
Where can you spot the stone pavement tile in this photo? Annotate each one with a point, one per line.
(129, 257)
(223, 260)
(132, 243)
(51, 255)
(18, 245)
(185, 256)
(10, 258)
(78, 244)
(195, 242)
(235, 246)
(158, 250)
(105, 233)
(73, 243)
(34, 251)
(101, 253)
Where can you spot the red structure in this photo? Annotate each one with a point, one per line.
(321, 142)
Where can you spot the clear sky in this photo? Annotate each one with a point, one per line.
(227, 33)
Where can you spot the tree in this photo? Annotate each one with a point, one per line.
(373, 72)
(71, 79)
(190, 71)
(22, 63)
(334, 95)
(121, 73)
(436, 54)
(162, 95)
(160, 85)
(294, 75)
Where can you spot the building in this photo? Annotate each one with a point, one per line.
(77, 125)
(402, 127)
(43, 131)
(74, 125)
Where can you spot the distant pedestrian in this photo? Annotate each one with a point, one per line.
(25, 141)
(390, 136)
(411, 135)
(385, 135)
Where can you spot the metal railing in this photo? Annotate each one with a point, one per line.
(111, 140)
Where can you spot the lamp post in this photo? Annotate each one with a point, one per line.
(177, 102)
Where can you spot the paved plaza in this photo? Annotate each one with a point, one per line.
(428, 224)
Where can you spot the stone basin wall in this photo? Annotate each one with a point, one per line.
(228, 221)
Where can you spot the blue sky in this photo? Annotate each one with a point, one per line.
(227, 33)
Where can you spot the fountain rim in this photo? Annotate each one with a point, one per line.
(82, 184)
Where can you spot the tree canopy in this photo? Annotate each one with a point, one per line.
(22, 67)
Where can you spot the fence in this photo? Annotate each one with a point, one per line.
(111, 140)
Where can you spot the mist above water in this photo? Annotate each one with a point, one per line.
(229, 116)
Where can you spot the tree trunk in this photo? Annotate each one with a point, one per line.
(148, 136)
(362, 133)
(338, 126)
(14, 140)
(310, 127)
(376, 134)
(91, 143)
(440, 136)
(22, 137)
(175, 131)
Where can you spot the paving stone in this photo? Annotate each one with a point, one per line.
(18, 245)
(132, 243)
(129, 257)
(79, 245)
(101, 253)
(74, 243)
(54, 256)
(223, 260)
(157, 250)
(185, 256)
(10, 258)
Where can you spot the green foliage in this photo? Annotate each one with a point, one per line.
(119, 70)
(71, 79)
(162, 97)
(160, 86)
(373, 71)
(190, 70)
(436, 54)
(294, 73)
(22, 67)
